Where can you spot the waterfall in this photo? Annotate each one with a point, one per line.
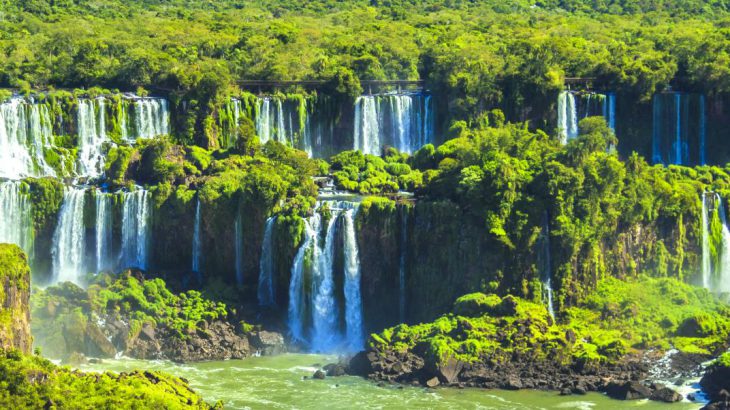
(135, 229)
(69, 240)
(312, 289)
(151, 117)
(353, 299)
(238, 242)
(403, 121)
(297, 291)
(197, 242)
(266, 294)
(546, 265)
(567, 116)
(92, 136)
(104, 260)
(609, 110)
(25, 130)
(263, 120)
(715, 273)
(679, 129)
(15, 214)
(403, 264)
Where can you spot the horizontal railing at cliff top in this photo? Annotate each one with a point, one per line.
(368, 85)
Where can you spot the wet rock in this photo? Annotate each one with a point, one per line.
(513, 383)
(448, 372)
(319, 375)
(75, 359)
(666, 395)
(628, 391)
(97, 344)
(335, 370)
(268, 343)
(433, 382)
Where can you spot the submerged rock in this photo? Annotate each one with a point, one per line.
(319, 375)
(666, 395)
(628, 391)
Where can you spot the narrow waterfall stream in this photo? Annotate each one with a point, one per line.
(104, 259)
(135, 229)
(546, 265)
(715, 235)
(92, 136)
(69, 241)
(353, 298)
(266, 286)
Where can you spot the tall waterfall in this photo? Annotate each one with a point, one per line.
(135, 229)
(312, 290)
(238, 243)
(197, 241)
(266, 286)
(403, 264)
(151, 117)
(69, 241)
(104, 259)
(715, 235)
(297, 292)
(573, 106)
(546, 265)
(92, 136)
(353, 298)
(15, 214)
(679, 129)
(25, 130)
(403, 121)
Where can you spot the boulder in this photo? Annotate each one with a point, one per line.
(448, 372)
(335, 370)
(268, 343)
(97, 345)
(666, 395)
(628, 391)
(513, 383)
(433, 382)
(319, 375)
(362, 364)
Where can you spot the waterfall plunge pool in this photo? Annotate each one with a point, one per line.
(278, 382)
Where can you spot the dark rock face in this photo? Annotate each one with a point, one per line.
(268, 343)
(666, 395)
(628, 391)
(716, 383)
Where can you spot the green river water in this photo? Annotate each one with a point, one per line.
(278, 383)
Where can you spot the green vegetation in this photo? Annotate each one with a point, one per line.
(33, 382)
(614, 321)
(14, 294)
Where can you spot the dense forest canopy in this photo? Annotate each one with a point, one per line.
(478, 54)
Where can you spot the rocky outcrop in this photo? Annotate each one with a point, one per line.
(716, 383)
(14, 299)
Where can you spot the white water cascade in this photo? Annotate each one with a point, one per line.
(403, 264)
(353, 298)
(25, 130)
(567, 116)
(573, 107)
(309, 249)
(151, 117)
(266, 286)
(197, 240)
(104, 259)
(312, 290)
(15, 214)
(136, 212)
(403, 121)
(92, 136)
(715, 231)
(69, 240)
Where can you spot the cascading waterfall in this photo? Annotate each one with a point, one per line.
(297, 292)
(567, 116)
(715, 234)
(403, 121)
(135, 229)
(15, 214)
(197, 241)
(266, 284)
(238, 242)
(353, 298)
(104, 259)
(546, 265)
(312, 289)
(69, 240)
(92, 136)
(679, 129)
(572, 107)
(151, 117)
(25, 130)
